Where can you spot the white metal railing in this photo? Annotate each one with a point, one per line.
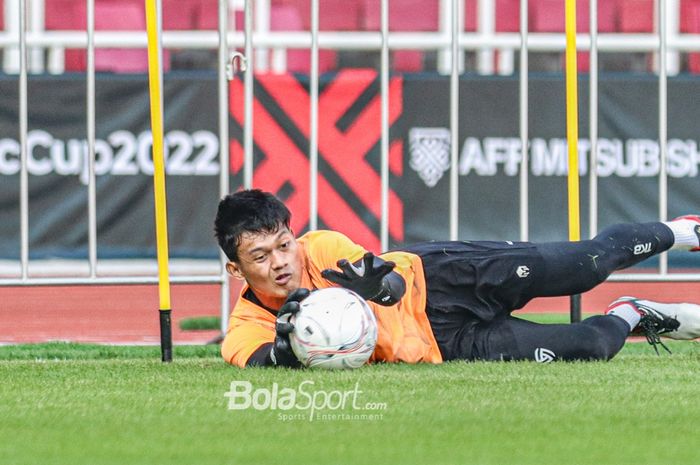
(663, 122)
(91, 40)
(484, 41)
(536, 41)
(225, 72)
(593, 121)
(523, 116)
(449, 41)
(23, 123)
(454, 123)
(105, 280)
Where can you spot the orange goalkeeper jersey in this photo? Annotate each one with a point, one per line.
(404, 334)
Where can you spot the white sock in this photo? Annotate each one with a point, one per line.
(683, 234)
(627, 313)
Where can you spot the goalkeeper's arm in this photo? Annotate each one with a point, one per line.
(371, 277)
(279, 352)
(261, 357)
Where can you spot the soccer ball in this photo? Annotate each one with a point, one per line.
(334, 328)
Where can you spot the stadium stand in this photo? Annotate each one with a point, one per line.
(614, 16)
(182, 15)
(507, 19)
(333, 15)
(413, 16)
(635, 17)
(112, 15)
(289, 15)
(64, 15)
(507, 16)
(205, 14)
(549, 16)
(121, 15)
(409, 15)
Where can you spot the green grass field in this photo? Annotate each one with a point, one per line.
(84, 404)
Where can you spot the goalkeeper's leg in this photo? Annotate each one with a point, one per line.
(576, 267)
(596, 338)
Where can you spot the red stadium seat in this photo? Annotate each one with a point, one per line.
(686, 11)
(67, 15)
(413, 16)
(286, 17)
(110, 15)
(63, 15)
(337, 15)
(690, 24)
(205, 14)
(180, 15)
(198, 15)
(507, 15)
(2, 14)
(550, 16)
(471, 15)
(406, 16)
(121, 15)
(333, 15)
(636, 16)
(608, 16)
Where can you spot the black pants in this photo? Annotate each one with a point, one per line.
(472, 288)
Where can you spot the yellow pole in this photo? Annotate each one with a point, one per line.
(154, 89)
(572, 121)
(572, 140)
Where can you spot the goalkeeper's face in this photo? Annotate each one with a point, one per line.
(269, 262)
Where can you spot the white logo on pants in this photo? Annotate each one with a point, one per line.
(522, 271)
(543, 355)
(642, 248)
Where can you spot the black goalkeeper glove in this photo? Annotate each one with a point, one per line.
(281, 353)
(371, 277)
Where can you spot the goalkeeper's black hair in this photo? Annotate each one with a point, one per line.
(248, 211)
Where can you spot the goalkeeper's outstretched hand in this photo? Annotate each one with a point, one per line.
(281, 353)
(366, 276)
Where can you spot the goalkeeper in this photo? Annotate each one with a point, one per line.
(438, 301)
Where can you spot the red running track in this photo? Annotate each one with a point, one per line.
(129, 314)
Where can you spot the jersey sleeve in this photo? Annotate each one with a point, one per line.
(249, 329)
(325, 248)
